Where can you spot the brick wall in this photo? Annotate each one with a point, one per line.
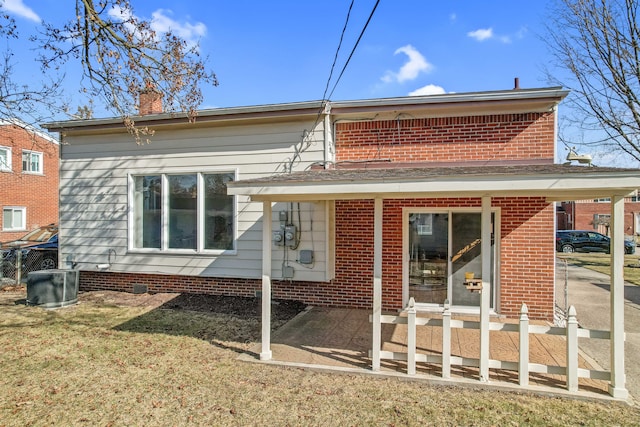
(584, 213)
(492, 137)
(37, 193)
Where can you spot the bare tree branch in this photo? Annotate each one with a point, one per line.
(120, 55)
(597, 41)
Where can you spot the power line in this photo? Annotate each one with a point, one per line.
(335, 58)
(296, 156)
(354, 48)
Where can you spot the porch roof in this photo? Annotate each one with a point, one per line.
(554, 181)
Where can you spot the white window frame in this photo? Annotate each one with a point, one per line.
(6, 167)
(426, 307)
(164, 246)
(40, 162)
(21, 209)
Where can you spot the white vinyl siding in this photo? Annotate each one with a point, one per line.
(94, 197)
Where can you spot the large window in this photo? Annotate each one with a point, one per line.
(5, 159)
(31, 161)
(14, 218)
(183, 211)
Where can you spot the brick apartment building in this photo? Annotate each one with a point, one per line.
(595, 214)
(29, 160)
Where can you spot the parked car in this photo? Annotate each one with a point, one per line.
(38, 248)
(569, 241)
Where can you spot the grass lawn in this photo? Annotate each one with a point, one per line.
(602, 263)
(105, 363)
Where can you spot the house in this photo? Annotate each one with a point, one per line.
(28, 177)
(369, 203)
(158, 217)
(595, 214)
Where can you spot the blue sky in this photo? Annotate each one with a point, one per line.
(282, 51)
(267, 52)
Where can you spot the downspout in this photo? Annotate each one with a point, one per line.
(556, 159)
(328, 137)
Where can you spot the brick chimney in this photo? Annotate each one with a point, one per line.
(150, 101)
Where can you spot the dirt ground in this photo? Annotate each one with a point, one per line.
(241, 307)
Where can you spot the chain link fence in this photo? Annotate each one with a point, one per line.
(18, 263)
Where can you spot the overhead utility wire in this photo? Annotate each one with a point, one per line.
(324, 98)
(335, 58)
(354, 47)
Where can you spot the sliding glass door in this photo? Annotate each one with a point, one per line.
(443, 246)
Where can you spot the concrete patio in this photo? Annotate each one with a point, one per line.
(337, 339)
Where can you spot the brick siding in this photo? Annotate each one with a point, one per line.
(492, 137)
(37, 193)
(584, 213)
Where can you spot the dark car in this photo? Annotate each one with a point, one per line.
(569, 241)
(38, 248)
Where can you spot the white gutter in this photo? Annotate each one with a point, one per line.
(552, 187)
(554, 94)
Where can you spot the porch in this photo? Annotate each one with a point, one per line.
(487, 185)
(338, 339)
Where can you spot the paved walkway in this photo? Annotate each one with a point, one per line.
(589, 293)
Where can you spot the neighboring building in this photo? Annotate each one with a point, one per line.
(595, 214)
(420, 179)
(29, 161)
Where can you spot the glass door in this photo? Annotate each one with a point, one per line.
(466, 256)
(443, 246)
(428, 265)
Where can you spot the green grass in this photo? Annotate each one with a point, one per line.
(602, 263)
(104, 364)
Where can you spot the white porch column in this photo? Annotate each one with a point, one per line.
(377, 284)
(265, 353)
(485, 293)
(617, 387)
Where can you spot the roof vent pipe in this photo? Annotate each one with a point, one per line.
(516, 83)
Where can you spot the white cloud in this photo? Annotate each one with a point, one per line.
(16, 7)
(411, 69)
(428, 90)
(161, 22)
(482, 34)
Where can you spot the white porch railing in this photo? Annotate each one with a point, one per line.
(523, 366)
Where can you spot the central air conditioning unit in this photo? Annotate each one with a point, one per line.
(52, 288)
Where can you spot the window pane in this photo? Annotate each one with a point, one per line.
(13, 219)
(4, 159)
(35, 162)
(183, 212)
(18, 220)
(147, 211)
(218, 220)
(31, 161)
(7, 219)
